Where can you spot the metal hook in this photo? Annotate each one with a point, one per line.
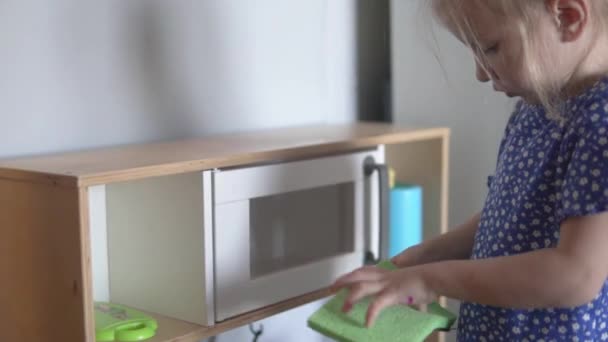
(256, 333)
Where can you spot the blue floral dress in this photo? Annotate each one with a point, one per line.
(547, 171)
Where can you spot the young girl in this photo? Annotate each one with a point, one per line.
(533, 264)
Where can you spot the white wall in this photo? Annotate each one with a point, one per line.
(85, 74)
(423, 94)
(76, 75)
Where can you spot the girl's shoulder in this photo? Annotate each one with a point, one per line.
(589, 111)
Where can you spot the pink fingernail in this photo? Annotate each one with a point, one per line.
(410, 300)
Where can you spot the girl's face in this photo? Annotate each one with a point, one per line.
(499, 50)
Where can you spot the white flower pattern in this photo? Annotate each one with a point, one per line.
(547, 171)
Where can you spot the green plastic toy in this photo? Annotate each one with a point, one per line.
(115, 322)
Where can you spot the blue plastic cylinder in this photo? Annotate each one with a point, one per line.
(405, 217)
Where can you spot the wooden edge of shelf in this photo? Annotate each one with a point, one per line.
(286, 154)
(38, 177)
(397, 135)
(172, 330)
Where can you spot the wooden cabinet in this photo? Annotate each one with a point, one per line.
(204, 234)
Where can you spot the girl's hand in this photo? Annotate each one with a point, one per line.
(405, 286)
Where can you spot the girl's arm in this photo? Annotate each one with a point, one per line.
(568, 275)
(454, 245)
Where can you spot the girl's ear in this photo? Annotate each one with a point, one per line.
(570, 16)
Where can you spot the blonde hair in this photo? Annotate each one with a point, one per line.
(523, 14)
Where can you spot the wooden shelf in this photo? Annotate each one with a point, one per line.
(46, 222)
(171, 330)
(123, 163)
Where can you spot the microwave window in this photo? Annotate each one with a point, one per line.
(300, 227)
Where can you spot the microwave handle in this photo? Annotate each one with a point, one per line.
(370, 166)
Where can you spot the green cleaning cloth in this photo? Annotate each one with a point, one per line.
(396, 323)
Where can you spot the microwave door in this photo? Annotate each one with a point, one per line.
(287, 229)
